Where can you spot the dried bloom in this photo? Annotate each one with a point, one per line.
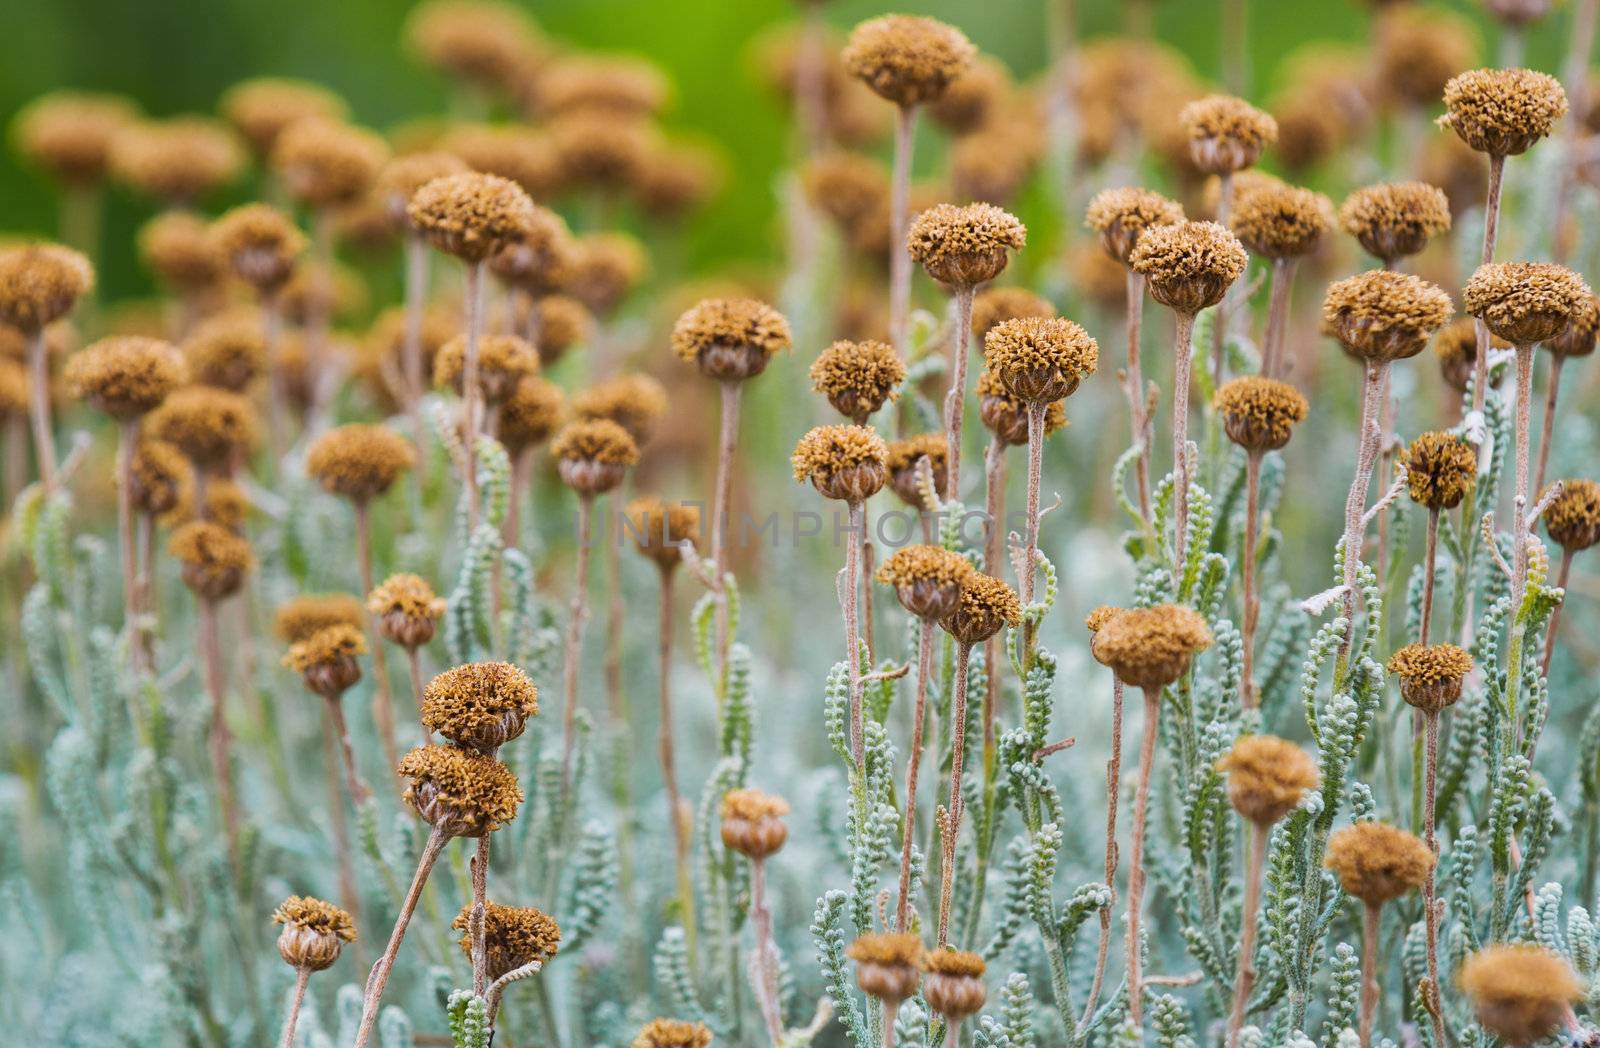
(226, 504)
(888, 964)
(986, 605)
(520, 154)
(1121, 215)
(326, 660)
(1441, 468)
(673, 1033)
(615, 85)
(1267, 776)
(1376, 862)
(211, 426)
(1258, 413)
(298, 618)
(993, 305)
(1006, 415)
(325, 163)
(679, 179)
(907, 60)
(313, 932)
(213, 559)
(1094, 622)
(531, 413)
(1190, 265)
(1151, 647)
(1502, 112)
(1525, 302)
(318, 292)
(597, 151)
(471, 215)
(1040, 359)
(593, 454)
(1456, 346)
(261, 109)
(359, 461)
(964, 246)
(513, 936)
(125, 375)
(1430, 674)
(842, 462)
(485, 43)
(399, 179)
(503, 361)
(971, 100)
(462, 792)
(603, 269)
(1309, 129)
(659, 529)
(1280, 221)
(1518, 13)
(407, 609)
(40, 284)
(1419, 50)
(858, 378)
(953, 986)
(845, 187)
(69, 134)
(260, 244)
(1578, 339)
(481, 705)
(227, 351)
(161, 476)
(752, 823)
(926, 579)
(177, 247)
(902, 457)
(1520, 991)
(992, 165)
(1382, 315)
(178, 160)
(563, 322)
(1394, 220)
(730, 339)
(1226, 134)
(633, 401)
(1573, 517)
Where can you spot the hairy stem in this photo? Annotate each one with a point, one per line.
(1430, 555)
(899, 204)
(1133, 387)
(577, 613)
(480, 901)
(379, 978)
(1552, 390)
(849, 596)
(1141, 810)
(127, 441)
(382, 699)
(1252, 601)
(1183, 351)
(722, 498)
(952, 826)
(1113, 789)
(1369, 971)
(677, 811)
(44, 441)
(471, 392)
(411, 348)
(1562, 576)
(1277, 317)
(1430, 907)
(1245, 979)
(902, 912)
(1491, 221)
(955, 400)
(302, 976)
(360, 793)
(414, 662)
(1219, 330)
(1356, 502)
(765, 961)
(1519, 504)
(220, 740)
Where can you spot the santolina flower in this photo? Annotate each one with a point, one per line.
(299, 617)
(907, 60)
(1520, 991)
(673, 1033)
(964, 246)
(1456, 346)
(531, 413)
(481, 705)
(326, 163)
(953, 984)
(1040, 359)
(905, 474)
(470, 215)
(213, 559)
(160, 476)
(888, 964)
(986, 606)
(228, 351)
(593, 455)
(1190, 265)
(1430, 674)
(1502, 112)
(1578, 340)
(1376, 862)
(399, 179)
(125, 376)
(358, 461)
(633, 401)
(996, 304)
(513, 936)
(326, 660)
(1395, 220)
(503, 360)
(730, 339)
(1267, 777)
(313, 932)
(1280, 221)
(260, 244)
(261, 108)
(178, 248)
(927, 580)
(858, 378)
(659, 529)
(1383, 316)
(70, 134)
(1441, 468)
(1122, 215)
(40, 284)
(1259, 413)
(1226, 134)
(1151, 647)
(752, 822)
(1006, 415)
(1525, 302)
(842, 462)
(407, 609)
(1573, 517)
(461, 792)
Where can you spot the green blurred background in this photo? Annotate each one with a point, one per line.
(177, 56)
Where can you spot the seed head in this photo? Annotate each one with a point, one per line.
(40, 284)
(531, 413)
(987, 604)
(659, 529)
(1190, 265)
(512, 152)
(847, 188)
(679, 180)
(1267, 776)
(161, 477)
(462, 792)
(927, 580)
(211, 426)
(471, 215)
(907, 60)
(399, 179)
(1376, 862)
(1040, 359)
(1525, 302)
(1578, 340)
(592, 455)
(1006, 416)
(858, 378)
(359, 461)
(633, 401)
(69, 135)
(1120, 215)
(1382, 315)
(1259, 413)
(226, 504)
(964, 246)
(1456, 346)
(730, 339)
(1280, 221)
(513, 936)
(1151, 648)
(326, 660)
(616, 85)
(1520, 991)
(263, 108)
(327, 163)
(1430, 674)
(596, 151)
(1573, 517)
(260, 244)
(993, 305)
(226, 351)
(407, 609)
(480, 705)
(1419, 50)
(481, 42)
(1226, 134)
(1441, 469)
(1502, 112)
(176, 246)
(848, 463)
(1094, 622)
(673, 1033)
(179, 160)
(214, 560)
(902, 458)
(888, 964)
(125, 375)
(562, 323)
(971, 101)
(503, 361)
(604, 268)
(313, 932)
(1394, 220)
(298, 618)
(953, 986)
(752, 823)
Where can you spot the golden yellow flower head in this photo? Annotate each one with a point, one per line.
(503, 361)
(953, 985)
(299, 617)
(986, 606)
(514, 936)
(1258, 413)
(1525, 302)
(178, 160)
(1502, 112)
(531, 413)
(1376, 862)
(326, 660)
(858, 378)
(905, 59)
(1006, 415)
(211, 426)
(993, 305)
(660, 528)
(673, 1033)
(842, 462)
(359, 461)
(125, 375)
(1441, 469)
(905, 474)
(730, 339)
(313, 932)
(1190, 265)
(1394, 220)
(1267, 777)
(1573, 517)
(1430, 674)
(213, 559)
(1382, 315)
(964, 246)
(927, 580)
(1151, 647)
(633, 401)
(888, 964)
(260, 244)
(70, 134)
(1280, 221)
(40, 284)
(407, 609)
(593, 454)
(1520, 991)
(1040, 359)
(752, 823)
(1121, 215)
(480, 705)
(261, 109)
(1226, 134)
(462, 792)
(471, 215)
(327, 163)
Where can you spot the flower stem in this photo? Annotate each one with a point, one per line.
(727, 443)
(480, 901)
(1245, 980)
(127, 440)
(1113, 789)
(913, 765)
(411, 348)
(899, 204)
(1369, 971)
(1431, 911)
(1133, 386)
(1277, 317)
(1183, 353)
(765, 961)
(1030, 568)
(1555, 614)
(1491, 221)
(470, 390)
(1519, 505)
(44, 441)
(1430, 555)
(952, 824)
(1552, 390)
(219, 738)
(1356, 502)
(379, 978)
(676, 810)
(1252, 602)
(1219, 330)
(301, 977)
(360, 793)
(1141, 810)
(852, 633)
(382, 699)
(414, 661)
(955, 400)
(577, 613)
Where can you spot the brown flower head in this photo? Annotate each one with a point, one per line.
(1226, 134)
(161, 476)
(953, 986)
(471, 215)
(179, 160)
(512, 152)
(1525, 302)
(1259, 413)
(1190, 265)
(399, 179)
(1376, 862)
(752, 823)
(993, 305)
(462, 792)
(659, 528)
(407, 609)
(125, 375)
(964, 246)
(1578, 339)
(1151, 647)
(70, 134)
(1267, 776)
(359, 461)
(177, 247)
(485, 43)
(226, 504)
(40, 284)
(730, 339)
(902, 457)
(673, 1033)
(633, 401)
(1382, 315)
(261, 109)
(1419, 50)
(987, 604)
(604, 269)
(593, 454)
(1094, 622)
(562, 323)
(1502, 112)
(1520, 991)
(907, 60)
(1280, 221)
(1441, 468)
(298, 618)
(1456, 346)
(1121, 215)
(213, 559)
(845, 187)
(513, 936)
(599, 152)
(260, 244)
(1573, 517)
(1394, 220)
(842, 462)
(858, 378)
(927, 580)
(680, 179)
(531, 413)
(313, 932)
(972, 100)
(1040, 359)
(1430, 674)
(620, 85)
(211, 426)
(226, 351)
(326, 660)
(503, 361)
(1006, 415)
(327, 163)
(888, 964)
(480, 705)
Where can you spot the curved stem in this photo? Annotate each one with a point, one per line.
(1245, 978)
(379, 978)
(382, 699)
(913, 763)
(1141, 810)
(955, 400)
(1519, 504)
(1219, 330)
(414, 660)
(360, 793)
(301, 977)
(1356, 502)
(994, 472)
(952, 826)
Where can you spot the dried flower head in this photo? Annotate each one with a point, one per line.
(1520, 991)
(926, 579)
(1121, 215)
(214, 560)
(1502, 112)
(679, 180)
(1259, 413)
(1456, 346)
(261, 109)
(1430, 674)
(902, 458)
(953, 986)
(987, 604)
(125, 375)
(730, 339)
(907, 60)
(599, 152)
(485, 43)
(964, 246)
(299, 617)
(1006, 415)
(1040, 359)
(1578, 339)
(176, 246)
(513, 936)
(226, 503)
(13, 389)
(858, 378)
(1226, 134)
(1441, 468)
(462, 792)
(633, 401)
(752, 823)
(560, 323)
(260, 244)
(621, 85)
(1280, 221)
(359, 461)
(673, 1033)
(972, 100)
(531, 413)
(503, 361)
(1094, 622)
(842, 462)
(1382, 315)
(1525, 302)
(845, 187)
(513, 152)
(604, 269)
(211, 426)
(1151, 647)
(659, 529)
(178, 160)
(407, 609)
(313, 932)
(471, 215)
(70, 134)
(1419, 49)
(888, 964)
(161, 477)
(40, 284)
(1376, 862)
(480, 705)
(993, 305)
(1394, 220)
(1573, 517)
(1190, 265)
(400, 178)
(327, 163)
(1267, 777)
(592, 455)
(326, 660)
(226, 351)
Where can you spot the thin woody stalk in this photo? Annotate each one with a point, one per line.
(127, 440)
(44, 444)
(1356, 502)
(414, 662)
(1245, 978)
(349, 895)
(1555, 614)
(1573, 79)
(411, 348)
(379, 978)
(382, 700)
(577, 613)
(277, 396)
(475, 930)
(1491, 221)
(899, 206)
(913, 764)
(1277, 316)
(1430, 555)
(955, 399)
(1219, 329)
(952, 819)
(1519, 504)
(1134, 388)
(1141, 809)
(1552, 390)
(470, 391)
(1370, 913)
(1252, 601)
(669, 767)
(1183, 352)
(1113, 788)
(302, 976)
(219, 737)
(994, 472)
(1430, 908)
(360, 793)
(849, 597)
(727, 443)
(1036, 413)
(765, 962)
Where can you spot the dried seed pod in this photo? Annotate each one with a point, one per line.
(326, 163)
(161, 477)
(993, 305)
(926, 579)
(211, 426)
(1520, 991)
(907, 60)
(70, 134)
(179, 160)
(1040, 359)
(1376, 862)
(213, 559)
(1502, 112)
(986, 606)
(1384, 316)
(407, 609)
(1578, 339)
(531, 414)
(125, 375)
(177, 247)
(227, 351)
(599, 152)
(471, 215)
(512, 152)
(485, 43)
(847, 463)
(326, 660)
(888, 964)
(730, 339)
(1573, 517)
(1280, 221)
(503, 361)
(971, 100)
(604, 269)
(1430, 674)
(1094, 622)
(673, 1033)
(633, 401)
(1122, 215)
(1151, 647)
(313, 932)
(1441, 469)
(1525, 302)
(1226, 134)
(1006, 415)
(1395, 220)
(1267, 777)
(481, 705)
(513, 937)
(1456, 346)
(847, 188)
(1259, 414)
(593, 455)
(615, 85)
(359, 462)
(963, 247)
(461, 792)
(40, 283)
(260, 244)
(905, 476)
(1189, 265)
(953, 983)
(261, 109)
(299, 617)
(752, 823)
(562, 323)
(399, 179)
(858, 378)
(660, 529)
